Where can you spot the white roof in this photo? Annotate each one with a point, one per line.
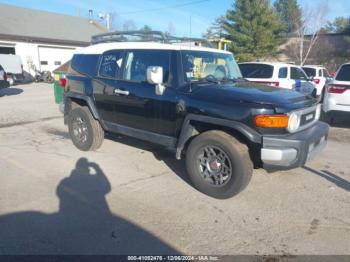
(103, 47)
(314, 66)
(271, 63)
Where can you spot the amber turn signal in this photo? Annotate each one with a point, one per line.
(272, 121)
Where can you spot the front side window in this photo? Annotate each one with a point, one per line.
(282, 73)
(111, 64)
(198, 65)
(344, 73)
(137, 62)
(256, 70)
(297, 74)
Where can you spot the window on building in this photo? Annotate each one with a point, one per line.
(44, 62)
(57, 63)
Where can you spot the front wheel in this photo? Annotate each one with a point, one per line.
(85, 131)
(218, 164)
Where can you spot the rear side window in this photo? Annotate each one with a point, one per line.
(310, 71)
(137, 62)
(256, 70)
(297, 74)
(111, 64)
(344, 73)
(1, 68)
(85, 64)
(282, 73)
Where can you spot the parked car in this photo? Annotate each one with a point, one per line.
(3, 78)
(279, 75)
(337, 95)
(191, 100)
(13, 67)
(319, 76)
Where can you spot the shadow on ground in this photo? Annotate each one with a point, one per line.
(336, 180)
(10, 91)
(161, 154)
(84, 223)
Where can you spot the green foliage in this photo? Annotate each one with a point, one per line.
(289, 13)
(254, 29)
(216, 30)
(341, 25)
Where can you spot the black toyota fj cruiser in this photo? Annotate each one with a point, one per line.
(192, 100)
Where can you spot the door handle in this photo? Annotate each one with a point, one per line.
(121, 92)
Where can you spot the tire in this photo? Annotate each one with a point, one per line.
(237, 156)
(91, 134)
(327, 118)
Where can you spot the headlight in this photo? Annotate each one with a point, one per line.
(318, 112)
(294, 122)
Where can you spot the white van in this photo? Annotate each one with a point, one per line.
(13, 67)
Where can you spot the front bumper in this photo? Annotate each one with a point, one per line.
(293, 150)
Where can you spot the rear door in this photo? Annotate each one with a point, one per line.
(108, 76)
(283, 77)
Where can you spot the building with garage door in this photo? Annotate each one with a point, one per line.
(43, 40)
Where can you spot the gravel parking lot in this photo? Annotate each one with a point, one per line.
(131, 197)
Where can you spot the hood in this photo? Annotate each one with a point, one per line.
(247, 92)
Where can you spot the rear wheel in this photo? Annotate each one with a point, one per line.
(218, 164)
(85, 131)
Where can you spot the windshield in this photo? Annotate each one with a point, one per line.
(310, 71)
(199, 65)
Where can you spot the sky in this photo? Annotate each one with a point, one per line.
(180, 17)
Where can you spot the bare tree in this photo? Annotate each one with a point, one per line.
(313, 19)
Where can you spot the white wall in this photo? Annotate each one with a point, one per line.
(32, 53)
(54, 56)
(29, 54)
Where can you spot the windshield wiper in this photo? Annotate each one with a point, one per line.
(235, 80)
(208, 79)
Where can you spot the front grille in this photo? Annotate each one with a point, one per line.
(307, 118)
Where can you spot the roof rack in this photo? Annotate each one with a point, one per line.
(143, 36)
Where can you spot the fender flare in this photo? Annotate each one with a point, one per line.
(188, 130)
(88, 100)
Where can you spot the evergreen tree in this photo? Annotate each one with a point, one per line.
(289, 13)
(254, 29)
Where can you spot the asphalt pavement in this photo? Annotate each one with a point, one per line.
(131, 197)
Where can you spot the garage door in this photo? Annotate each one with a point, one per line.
(52, 57)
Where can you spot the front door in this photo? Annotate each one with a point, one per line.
(132, 103)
